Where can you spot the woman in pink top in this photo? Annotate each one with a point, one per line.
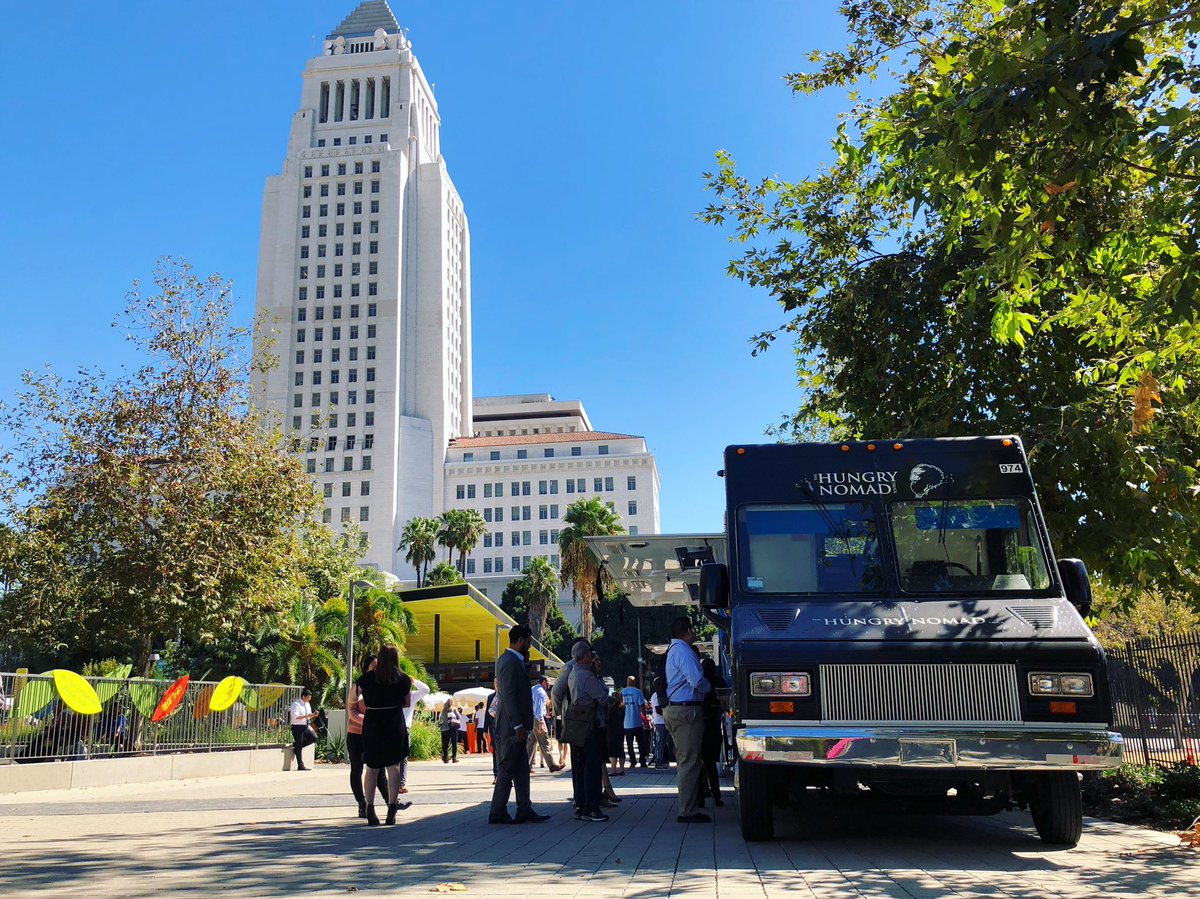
(356, 708)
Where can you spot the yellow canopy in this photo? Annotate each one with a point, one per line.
(459, 616)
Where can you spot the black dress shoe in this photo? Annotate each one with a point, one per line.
(697, 818)
(362, 810)
(505, 820)
(531, 818)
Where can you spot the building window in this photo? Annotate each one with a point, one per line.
(326, 516)
(603, 449)
(494, 455)
(366, 463)
(597, 485)
(543, 488)
(372, 311)
(470, 566)
(304, 251)
(304, 232)
(516, 563)
(468, 457)
(297, 400)
(375, 162)
(526, 513)
(370, 419)
(608, 484)
(548, 452)
(576, 451)
(369, 443)
(487, 491)
(347, 463)
(370, 374)
(633, 507)
(299, 379)
(570, 485)
(470, 491)
(345, 488)
(299, 357)
(372, 289)
(487, 516)
(374, 206)
(554, 487)
(375, 186)
(295, 422)
(522, 454)
(543, 538)
(631, 482)
(306, 212)
(329, 464)
(554, 512)
(499, 536)
(581, 485)
(460, 492)
(371, 328)
(525, 487)
(308, 171)
(487, 565)
(370, 397)
(633, 530)
(499, 565)
(543, 513)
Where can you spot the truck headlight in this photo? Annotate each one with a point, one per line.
(780, 684)
(1071, 684)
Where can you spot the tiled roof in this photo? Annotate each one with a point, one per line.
(572, 437)
(370, 15)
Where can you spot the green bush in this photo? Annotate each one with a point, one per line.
(425, 741)
(1167, 797)
(332, 748)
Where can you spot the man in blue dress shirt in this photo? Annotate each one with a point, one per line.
(686, 686)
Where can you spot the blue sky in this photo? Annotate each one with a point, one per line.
(576, 134)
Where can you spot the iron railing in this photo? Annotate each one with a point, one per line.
(37, 726)
(1155, 687)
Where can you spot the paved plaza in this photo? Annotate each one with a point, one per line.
(293, 833)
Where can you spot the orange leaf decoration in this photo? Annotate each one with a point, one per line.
(1047, 226)
(1053, 189)
(1145, 395)
(1070, 185)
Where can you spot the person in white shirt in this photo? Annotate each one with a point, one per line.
(662, 739)
(480, 716)
(300, 716)
(420, 690)
(539, 737)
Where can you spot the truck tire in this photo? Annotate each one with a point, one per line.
(1057, 808)
(754, 802)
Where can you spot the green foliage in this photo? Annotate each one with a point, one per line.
(1005, 242)
(425, 741)
(155, 503)
(419, 541)
(585, 518)
(460, 530)
(332, 748)
(1122, 615)
(541, 590)
(558, 636)
(1168, 797)
(442, 575)
(617, 634)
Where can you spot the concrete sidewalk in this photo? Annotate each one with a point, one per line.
(292, 833)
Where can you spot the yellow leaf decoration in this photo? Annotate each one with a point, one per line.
(1145, 395)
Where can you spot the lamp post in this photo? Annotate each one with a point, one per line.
(366, 585)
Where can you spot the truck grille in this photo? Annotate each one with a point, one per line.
(964, 694)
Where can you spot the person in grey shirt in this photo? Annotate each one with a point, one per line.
(587, 690)
(560, 694)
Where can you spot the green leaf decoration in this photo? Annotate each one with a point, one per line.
(145, 695)
(35, 696)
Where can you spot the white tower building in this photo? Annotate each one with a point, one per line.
(364, 275)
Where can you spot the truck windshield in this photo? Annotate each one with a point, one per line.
(968, 546)
(809, 548)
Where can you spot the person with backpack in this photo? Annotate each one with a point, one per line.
(451, 723)
(685, 689)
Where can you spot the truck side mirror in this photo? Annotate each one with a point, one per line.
(714, 586)
(1077, 585)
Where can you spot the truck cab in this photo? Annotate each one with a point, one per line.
(897, 630)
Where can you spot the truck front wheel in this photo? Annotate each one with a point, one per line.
(754, 802)
(1056, 803)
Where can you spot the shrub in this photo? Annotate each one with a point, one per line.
(332, 748)
(1169, 797)
(425, 741)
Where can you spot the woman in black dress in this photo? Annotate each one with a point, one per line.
(385, 735)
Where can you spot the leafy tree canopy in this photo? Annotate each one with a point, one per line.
(156, 504)
(1005, 241)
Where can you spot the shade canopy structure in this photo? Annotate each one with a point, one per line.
(460, 632)
(433, 700)
(658, 570)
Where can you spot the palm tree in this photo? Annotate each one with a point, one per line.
(443, 574)
(380, 618)
(419, 541)
(579, 568)
(304, 646)
(460, 530)
(541, 587)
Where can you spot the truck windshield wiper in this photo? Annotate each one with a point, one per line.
(837, 530)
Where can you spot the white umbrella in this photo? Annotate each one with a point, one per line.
(434, 700)
(473, 694)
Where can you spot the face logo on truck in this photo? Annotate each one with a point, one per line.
(925, 478)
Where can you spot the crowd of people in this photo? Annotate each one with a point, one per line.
(599, 730)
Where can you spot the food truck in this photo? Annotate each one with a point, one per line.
(895, 628)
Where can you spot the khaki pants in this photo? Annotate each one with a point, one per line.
(539, 739)
(686, 728)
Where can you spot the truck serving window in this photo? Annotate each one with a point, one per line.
(809, 548)
(968, 546)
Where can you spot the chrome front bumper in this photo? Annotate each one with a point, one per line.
(883, 746)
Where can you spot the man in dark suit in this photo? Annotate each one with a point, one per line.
(513, 726)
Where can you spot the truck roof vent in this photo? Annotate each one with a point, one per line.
(1038, 617)
(777, 619)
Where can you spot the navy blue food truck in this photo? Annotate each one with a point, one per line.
(896, 628)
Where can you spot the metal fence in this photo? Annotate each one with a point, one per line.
(37, 726)
(1156, 699)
